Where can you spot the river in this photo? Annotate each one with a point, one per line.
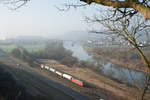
(108, 68)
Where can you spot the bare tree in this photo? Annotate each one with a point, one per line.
(127, 28)
(123, 21)
(142, 6)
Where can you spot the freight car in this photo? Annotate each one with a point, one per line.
(74, 80)
(42, 66)
(47, 67)
(52, 69)
(59, 73)
(69, 77)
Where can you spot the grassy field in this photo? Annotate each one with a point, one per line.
(28, 47)
(34, 48)
(7, 48)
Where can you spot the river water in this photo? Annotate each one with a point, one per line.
(108, 68)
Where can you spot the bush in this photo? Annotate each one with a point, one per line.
(109, 72)
(54, 50)
(69, 61)
(85, 64)
(23, 54)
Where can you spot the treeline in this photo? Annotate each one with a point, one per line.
(23, 54)
(56, 51)
(117, 53)
(52, 50)
(127, 57)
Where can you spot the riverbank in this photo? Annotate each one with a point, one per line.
(94, 91)
(105, 87)
(119, 57)
(102, 86)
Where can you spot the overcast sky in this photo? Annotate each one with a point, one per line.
(41, 17)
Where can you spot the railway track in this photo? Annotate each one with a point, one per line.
(44, 84)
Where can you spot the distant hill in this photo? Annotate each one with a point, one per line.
(78, 35)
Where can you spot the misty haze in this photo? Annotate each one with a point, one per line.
(75, 50)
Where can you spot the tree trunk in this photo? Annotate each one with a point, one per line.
(144, 59)
(146, 63)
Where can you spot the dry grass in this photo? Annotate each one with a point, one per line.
(101, 82)
(124, 57)
(98, 80)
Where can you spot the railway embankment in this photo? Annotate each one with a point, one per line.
(13, 89)
(99, 85)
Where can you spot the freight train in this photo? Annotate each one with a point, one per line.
(63, 75)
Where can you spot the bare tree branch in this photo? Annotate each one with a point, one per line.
(15, 4)
(137, 5)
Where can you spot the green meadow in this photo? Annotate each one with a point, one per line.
(28, 47)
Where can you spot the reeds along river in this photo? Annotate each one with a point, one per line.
(109, 69)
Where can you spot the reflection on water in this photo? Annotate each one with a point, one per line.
(115, 71)
(123, 74)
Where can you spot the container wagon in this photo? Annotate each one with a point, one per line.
(52, 69)
(59, 73)
(47, 67)
(67, 76)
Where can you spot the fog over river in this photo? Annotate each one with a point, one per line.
(108, 68)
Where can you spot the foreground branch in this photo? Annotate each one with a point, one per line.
(143, 8)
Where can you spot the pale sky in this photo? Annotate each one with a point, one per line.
(41, 17)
